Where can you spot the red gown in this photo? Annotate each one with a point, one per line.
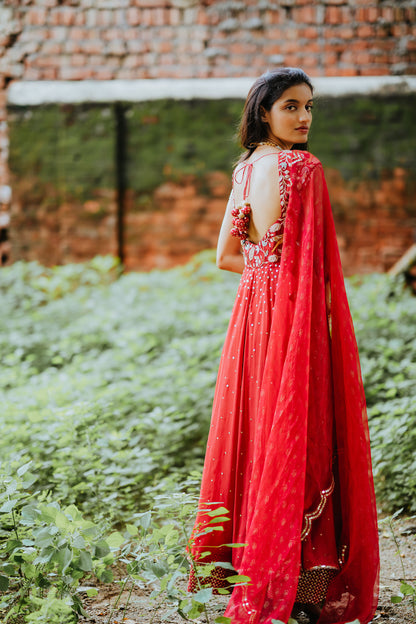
(288, 451)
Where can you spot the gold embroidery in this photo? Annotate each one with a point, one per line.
(307, 521)
(342, 555)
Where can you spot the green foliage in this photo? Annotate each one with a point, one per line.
(45, 550)
(384, 317)
(155, 554)
(367, 127)
(106, 388)
(73, 154)
(107, 384)
(69, 149)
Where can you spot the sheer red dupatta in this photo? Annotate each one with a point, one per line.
(312, 427)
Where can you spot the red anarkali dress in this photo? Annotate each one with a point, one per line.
(288, 452)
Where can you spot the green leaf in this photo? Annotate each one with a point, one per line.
(223, 591)
(23, 469)
(236, 545)
(93, 591)
(204, 595)
(115, 540)
(396, 599)
(63, 557)
(44, 537)
(4, 583)
(29, 570)
(238, 578)
(145, 520)
(106, 576)
(100, 549)
(407, 589)
(78, 542)
(85, 561)
(217, 512)
(8, 506)
(222, 620)
(219, 519)
(132, 529)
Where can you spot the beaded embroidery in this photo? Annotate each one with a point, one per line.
(269, 248)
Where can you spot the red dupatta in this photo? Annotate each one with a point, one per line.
(308, 372)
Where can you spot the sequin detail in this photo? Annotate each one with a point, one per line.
(268, 250)
(313, 585)
(308, 517)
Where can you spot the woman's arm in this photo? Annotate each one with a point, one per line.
(229, 256)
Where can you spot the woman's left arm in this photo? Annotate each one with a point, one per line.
(229, 256)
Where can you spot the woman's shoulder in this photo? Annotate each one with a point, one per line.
(289, 160)
(293, 157)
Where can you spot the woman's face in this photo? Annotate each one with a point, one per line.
(290, 117)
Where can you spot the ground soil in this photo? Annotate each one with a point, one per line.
(141, 609)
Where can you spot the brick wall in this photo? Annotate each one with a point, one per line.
(130, 39)
(177, 167)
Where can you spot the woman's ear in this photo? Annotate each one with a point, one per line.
(263, 114)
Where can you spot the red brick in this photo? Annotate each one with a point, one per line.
(410, 14)
(272, 16)
(112, 34)
(133, 16)
(366, 30)
(333, 15)
(347, 71)
(313, 47)
(363, 58)
(93, 46)
(400, 30)
(147, 17)
(305, 15)
(149, 3)
(375, 71)
(104, 18)
(62, 16)
(79, 60)
(309, 33)
(51, 48)
(174, 17)
(387, 13)
(166, 59)
(78, 33)
(80, 18)
(373, 14)
(49, 73)
(36, 16)
(309, 61)
(76, 73)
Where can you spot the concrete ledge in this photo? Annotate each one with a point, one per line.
(36, 93)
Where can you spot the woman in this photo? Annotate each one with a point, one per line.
(288, 451)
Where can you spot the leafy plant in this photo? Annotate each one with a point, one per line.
(407, 589)
(157, 553)
(45, 550)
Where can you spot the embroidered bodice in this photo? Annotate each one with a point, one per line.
(269, 247)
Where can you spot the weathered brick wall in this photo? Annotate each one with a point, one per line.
(130, 39)
(105, 39)
(177, 171)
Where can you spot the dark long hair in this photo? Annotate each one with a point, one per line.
(264, 92)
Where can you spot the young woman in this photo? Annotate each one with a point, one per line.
(288, 451)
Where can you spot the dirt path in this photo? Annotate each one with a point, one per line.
(142, 610)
